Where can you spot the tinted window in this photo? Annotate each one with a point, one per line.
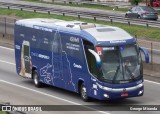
(134, 8)
(149, 9)
(138, 9)
(91, 61)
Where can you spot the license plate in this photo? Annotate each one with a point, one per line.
(124, 94)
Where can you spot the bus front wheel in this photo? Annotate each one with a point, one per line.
(83, 93)
(36, 79)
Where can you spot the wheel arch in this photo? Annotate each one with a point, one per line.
(33, 69)
(80, 82)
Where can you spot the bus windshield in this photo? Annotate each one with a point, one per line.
(120, 64)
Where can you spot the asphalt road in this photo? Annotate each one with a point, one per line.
(17, 90)
(6, 28)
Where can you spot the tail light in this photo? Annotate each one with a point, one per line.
(144, 13)
(156, 12)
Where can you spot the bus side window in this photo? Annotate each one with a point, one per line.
(91, 61)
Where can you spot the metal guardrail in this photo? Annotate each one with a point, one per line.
(88, 2)
(81, 14)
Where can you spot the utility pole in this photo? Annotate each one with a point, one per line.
(151, 3)
(146, 2)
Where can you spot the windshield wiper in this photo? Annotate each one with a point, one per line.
(131, 75)
(115, 76)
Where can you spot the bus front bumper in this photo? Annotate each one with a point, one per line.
(120, 93)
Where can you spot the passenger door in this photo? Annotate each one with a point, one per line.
(91, 61)
(138, 12)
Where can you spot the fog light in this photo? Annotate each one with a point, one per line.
(140, 92)
(106, 95)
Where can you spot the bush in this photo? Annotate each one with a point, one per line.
(135, 2)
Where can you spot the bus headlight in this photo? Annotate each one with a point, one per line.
(140, 92)
(140, 85)
(106, 95)
(104, 88)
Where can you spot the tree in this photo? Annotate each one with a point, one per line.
(134, 2)
(151, 3)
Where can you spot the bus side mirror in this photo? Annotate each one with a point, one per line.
(146, 54)
(97, 57)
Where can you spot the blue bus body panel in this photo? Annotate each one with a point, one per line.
(60, 64)
(59, 58)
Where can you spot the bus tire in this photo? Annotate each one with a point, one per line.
(36, 79)
(83, 93)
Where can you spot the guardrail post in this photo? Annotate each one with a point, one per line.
(34, 11)
(8, 7)
(151, 53)
(116, 7)
(147, 25)
(111, 21)
(63, 14)
(79, 16)
(48, 12)
(94, 18)
(15, 20)
(129, 23)
(21, 9)
(136, 37)
(5, 25)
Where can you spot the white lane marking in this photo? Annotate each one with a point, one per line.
(7, 62)
(51, 96)
(152, 82)
(7, 48)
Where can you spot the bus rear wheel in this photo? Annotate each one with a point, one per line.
(36, 79)
(83, 93)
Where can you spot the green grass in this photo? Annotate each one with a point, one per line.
(140, 31)
(94, 6)
(2, 112)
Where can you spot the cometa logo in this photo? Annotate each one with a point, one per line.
(77, 66)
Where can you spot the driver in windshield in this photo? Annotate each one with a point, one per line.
(127, 63)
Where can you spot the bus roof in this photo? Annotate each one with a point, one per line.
(94, 33)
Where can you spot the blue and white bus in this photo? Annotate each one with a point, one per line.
(96, 61)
